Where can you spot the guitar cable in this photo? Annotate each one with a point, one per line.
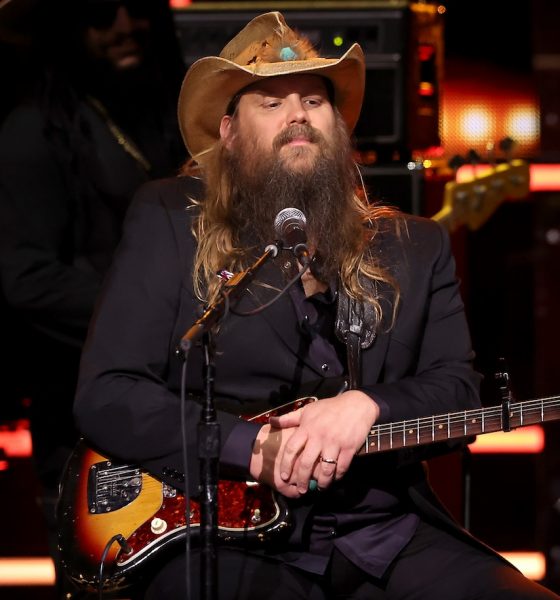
(260, 308)
(120, 539)
(186, 472)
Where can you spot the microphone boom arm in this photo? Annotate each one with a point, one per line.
(231, 290)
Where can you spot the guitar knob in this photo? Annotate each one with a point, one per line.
(256, 516)
(158, 526)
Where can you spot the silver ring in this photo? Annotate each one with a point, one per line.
(330, 461)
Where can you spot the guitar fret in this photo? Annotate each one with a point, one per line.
(395, 435)
(433, 428)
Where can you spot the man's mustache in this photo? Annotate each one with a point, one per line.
(295, 132)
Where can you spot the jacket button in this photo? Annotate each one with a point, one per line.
(325, 367)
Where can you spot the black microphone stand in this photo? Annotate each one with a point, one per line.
(208, 427)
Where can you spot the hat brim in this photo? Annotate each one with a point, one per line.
(212, 82)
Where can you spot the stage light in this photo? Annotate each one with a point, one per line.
(16, 440)
(338, 41)
(522, 124)
(526, 440)
(28, 571)
(531, 564)
(476, 124)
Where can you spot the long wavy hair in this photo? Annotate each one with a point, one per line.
(359, 267)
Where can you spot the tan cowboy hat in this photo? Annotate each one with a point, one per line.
(265, 47)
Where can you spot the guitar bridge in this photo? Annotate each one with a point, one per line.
(111, 486)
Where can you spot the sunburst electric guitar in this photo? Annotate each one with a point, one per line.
(102, 499)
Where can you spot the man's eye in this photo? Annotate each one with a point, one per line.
(272, 104)
(313, 101)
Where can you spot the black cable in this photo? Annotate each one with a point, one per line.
(277, 297)
(186, 472)
(123, 544)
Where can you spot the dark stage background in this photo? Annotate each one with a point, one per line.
(509, 267)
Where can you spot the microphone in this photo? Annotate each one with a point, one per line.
(289, 226)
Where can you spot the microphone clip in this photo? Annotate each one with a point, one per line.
(301, 252)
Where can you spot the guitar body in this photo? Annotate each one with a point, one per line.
(101, 498)
(109, 498)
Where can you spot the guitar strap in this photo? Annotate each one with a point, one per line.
(355, 326)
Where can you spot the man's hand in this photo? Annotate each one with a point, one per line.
(265, 460)
(326, 437)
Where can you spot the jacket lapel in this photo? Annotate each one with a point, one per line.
(280, 315)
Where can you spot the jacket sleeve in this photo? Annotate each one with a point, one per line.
(125, 404)
(428, 368)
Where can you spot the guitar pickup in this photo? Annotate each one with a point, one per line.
(112, 486)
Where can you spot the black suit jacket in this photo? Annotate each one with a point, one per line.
(128, 402)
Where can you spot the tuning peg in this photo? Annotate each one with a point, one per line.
(491, 153)
(455, 162)
(506, 146)
(473, 157)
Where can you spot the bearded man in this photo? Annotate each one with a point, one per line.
(377, 307)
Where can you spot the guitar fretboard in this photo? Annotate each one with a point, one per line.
(438, 428)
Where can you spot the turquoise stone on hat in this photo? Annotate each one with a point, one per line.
(287, 54)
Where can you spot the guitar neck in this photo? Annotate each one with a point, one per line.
(439, 428)
(443, 216)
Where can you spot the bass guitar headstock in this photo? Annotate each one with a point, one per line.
(479, 190)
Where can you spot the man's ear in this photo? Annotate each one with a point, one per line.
(226, 130)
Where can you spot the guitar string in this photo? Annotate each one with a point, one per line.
(426, 423)
(528, 407)
(414, 432)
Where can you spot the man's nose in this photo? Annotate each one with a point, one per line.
(123, 21)
(296, 110)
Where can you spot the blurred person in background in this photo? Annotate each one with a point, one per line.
(96, 118)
